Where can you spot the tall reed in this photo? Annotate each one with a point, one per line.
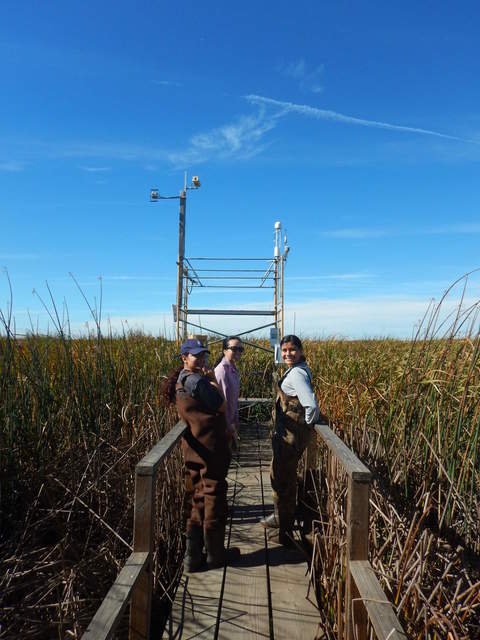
(411, 411)
(77, 414)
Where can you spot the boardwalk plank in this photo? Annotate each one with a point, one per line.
(245, 611)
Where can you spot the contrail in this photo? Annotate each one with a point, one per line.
(325, 114)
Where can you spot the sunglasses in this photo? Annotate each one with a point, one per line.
(236, 349)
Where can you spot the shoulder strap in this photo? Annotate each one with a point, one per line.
(183, 378)
(290, 370)
(283, 377)
(309, 375)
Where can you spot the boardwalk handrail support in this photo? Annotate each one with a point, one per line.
(362, 587)
(364, 599)
(135, 581)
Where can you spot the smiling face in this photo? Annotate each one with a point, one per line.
(234, 350)
(193, 362)
(291, 354)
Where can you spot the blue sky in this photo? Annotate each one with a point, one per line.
(355, 124)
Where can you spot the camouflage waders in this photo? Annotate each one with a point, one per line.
(291, 435)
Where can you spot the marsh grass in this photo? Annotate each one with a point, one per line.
(76, 415)
(411, 411)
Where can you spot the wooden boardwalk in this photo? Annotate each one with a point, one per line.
(264, 594)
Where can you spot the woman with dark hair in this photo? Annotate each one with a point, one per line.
(206, 453)
(296, 412)
(228, 379)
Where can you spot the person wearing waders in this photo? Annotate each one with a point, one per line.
(206, 454)
(228, 380)
(296, 412)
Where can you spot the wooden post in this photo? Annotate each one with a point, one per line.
(357, 549)
(144, 517)
(380, 611)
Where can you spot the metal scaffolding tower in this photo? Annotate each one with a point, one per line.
(227, 273)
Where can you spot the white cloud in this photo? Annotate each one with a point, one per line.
(19, 256)
(355, 316)
(12, 166)
(167, 83)
(453, 229)
(334, 276)
(361, 317)
(100, 150)
(295, 69)
(381, 316)
(353, 233)
(96, 169)
(136, 278)
(156, 323)
(324, 114)
(240, 139)
(307, 79)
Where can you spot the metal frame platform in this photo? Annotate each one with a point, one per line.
(266, 273)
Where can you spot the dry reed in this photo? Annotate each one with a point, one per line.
(77, 414)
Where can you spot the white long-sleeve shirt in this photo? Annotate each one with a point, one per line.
(297, 382)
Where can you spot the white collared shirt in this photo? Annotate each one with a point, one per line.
(297, 381)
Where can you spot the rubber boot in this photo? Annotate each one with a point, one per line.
(272, 521)
(217, 555)
(281, 522)
(194, 556)
(285, 538)
(285, 529)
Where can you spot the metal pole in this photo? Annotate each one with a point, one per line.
(185, 305)
(282, 267)
(277, 254)
(275, 304)
(181, 256)
(251, 344)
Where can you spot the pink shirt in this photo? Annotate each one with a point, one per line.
(228, 379)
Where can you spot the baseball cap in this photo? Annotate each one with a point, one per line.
(193, 346)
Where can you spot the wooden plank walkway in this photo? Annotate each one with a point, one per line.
(264, 595)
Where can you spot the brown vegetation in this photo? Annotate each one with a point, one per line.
(77, 414)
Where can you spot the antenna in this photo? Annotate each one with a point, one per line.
(286, 248)
(278, 239)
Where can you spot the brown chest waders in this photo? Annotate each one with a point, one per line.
(207, 457)
(291, 435)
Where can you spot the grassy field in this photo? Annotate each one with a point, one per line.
(411, 412)
(77, 414)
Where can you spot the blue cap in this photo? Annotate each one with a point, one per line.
(193, 346)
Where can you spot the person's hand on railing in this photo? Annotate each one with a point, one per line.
(210, 375)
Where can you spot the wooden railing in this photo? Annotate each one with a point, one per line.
(135, 581)
(364, 597)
